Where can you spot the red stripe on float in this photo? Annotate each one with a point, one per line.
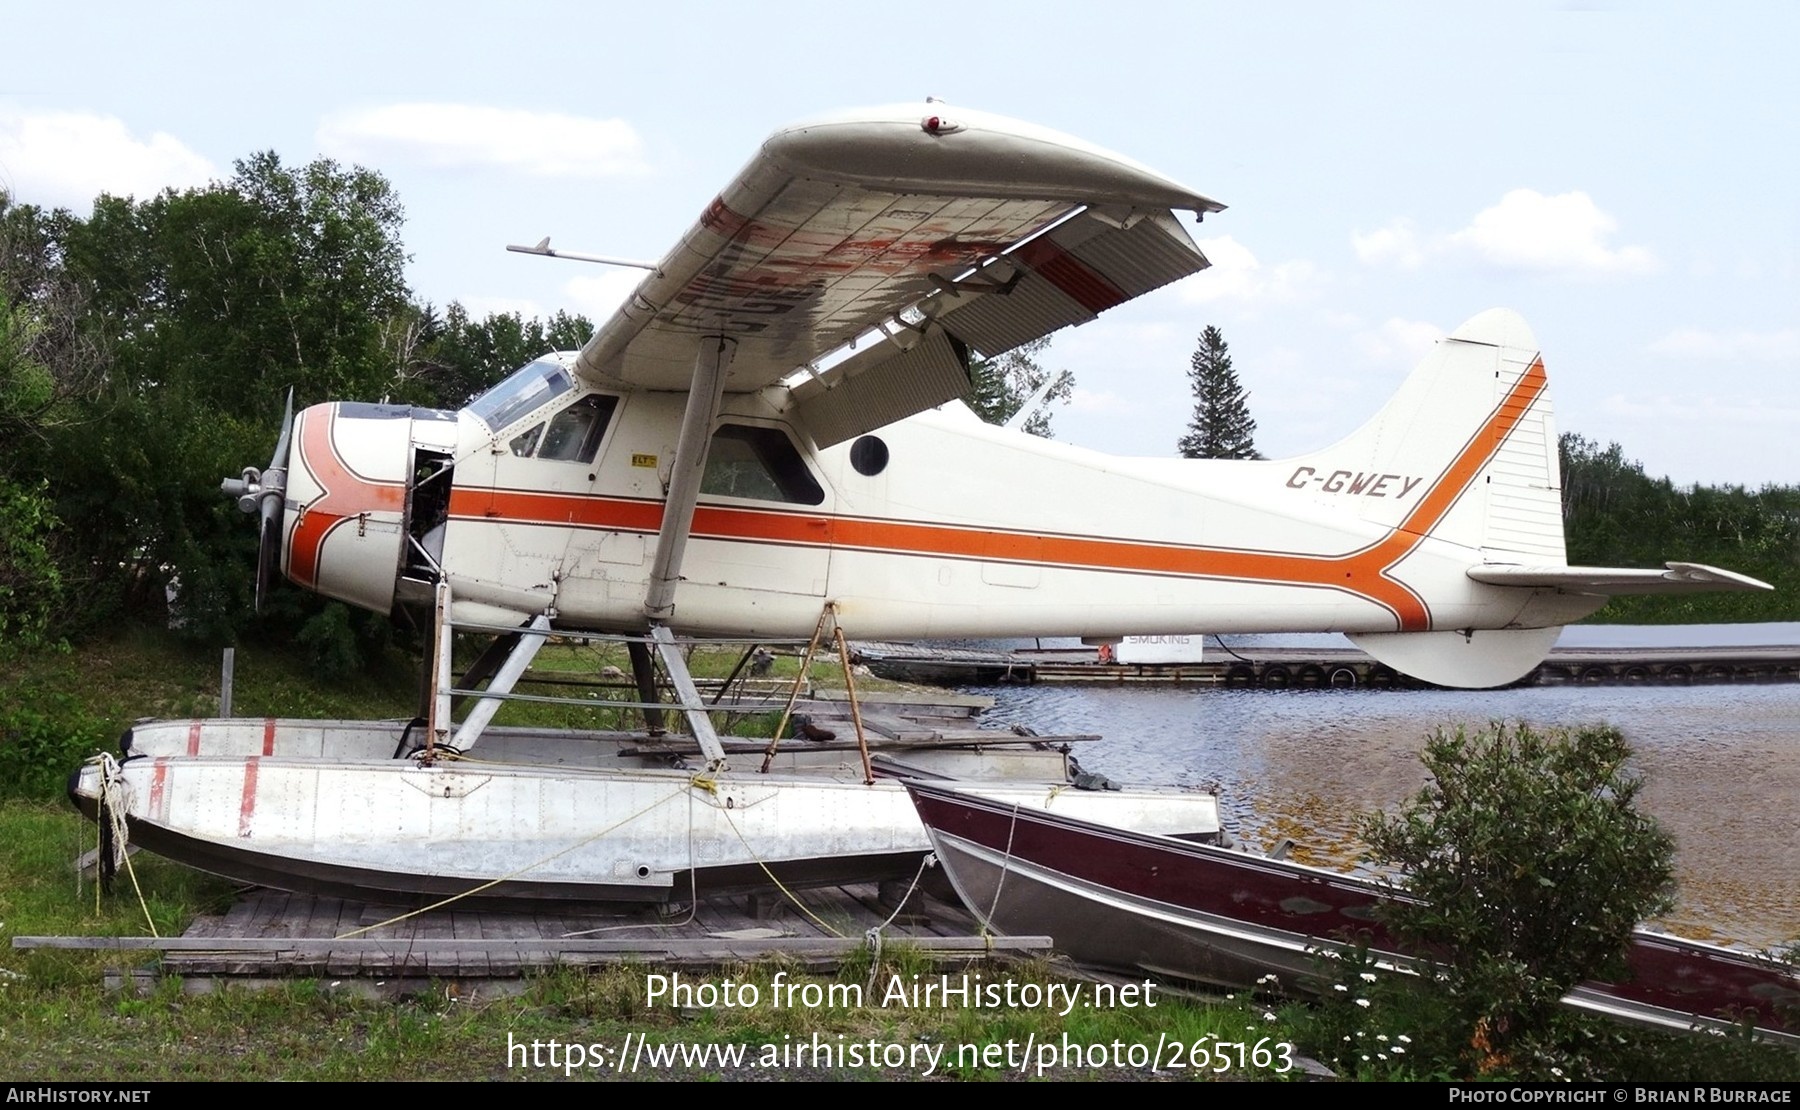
(247, 807)
(157, 780)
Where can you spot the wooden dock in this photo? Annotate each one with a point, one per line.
(1301, 668)
(267, 936)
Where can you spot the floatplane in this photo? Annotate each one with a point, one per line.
(764, 440)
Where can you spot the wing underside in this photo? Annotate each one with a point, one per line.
(921, 246)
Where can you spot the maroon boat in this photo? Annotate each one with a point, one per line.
(1190, 911)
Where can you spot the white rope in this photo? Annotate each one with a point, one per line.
(113, 794)
(873, 936)
(1000, 884)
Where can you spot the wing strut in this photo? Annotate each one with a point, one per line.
(663, 641)
(711, 363)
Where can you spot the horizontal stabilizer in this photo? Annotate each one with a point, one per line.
(1609, 581)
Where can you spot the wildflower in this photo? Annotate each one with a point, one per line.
(1381, 1036)
(1381, 1055)
(1398, 1051)
(1339, 987)
(1268, 1015)
(1556, 1071)
(1367, 976)
(1363, 1002)
(1404, 1039)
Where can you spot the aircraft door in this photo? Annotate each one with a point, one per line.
(544, 480)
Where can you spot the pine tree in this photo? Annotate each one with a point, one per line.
(1000, 387)
(1221, 427)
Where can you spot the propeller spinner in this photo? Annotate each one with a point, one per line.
(265, 491)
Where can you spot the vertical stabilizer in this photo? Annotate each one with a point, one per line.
(1465, 451)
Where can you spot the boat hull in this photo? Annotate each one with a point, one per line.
(1126, 901)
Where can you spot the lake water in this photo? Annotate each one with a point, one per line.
(1721, 766)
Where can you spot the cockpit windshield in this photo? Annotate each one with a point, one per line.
(524, 390)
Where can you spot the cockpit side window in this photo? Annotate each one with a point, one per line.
(575, 432)
(572, 435)
(758, 463)
(527, 388)
(526, 442)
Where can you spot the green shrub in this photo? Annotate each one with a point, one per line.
(43, 739)
(31, 585)
(1527, 866)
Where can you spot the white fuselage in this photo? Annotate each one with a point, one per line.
(966, 530)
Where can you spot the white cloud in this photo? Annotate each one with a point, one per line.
(537, 144)
(1397, 341)
(1700, 411)
(598, 295)
(1692, 343)
(1236, 274)
(1099, 400)
(1567, 234)
(69, 158)
(480, 308)
(1397, 243)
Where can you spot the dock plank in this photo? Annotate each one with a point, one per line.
(268, 935)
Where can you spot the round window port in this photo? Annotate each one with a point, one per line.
(869, 455)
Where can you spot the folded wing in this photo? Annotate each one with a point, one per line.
(920, 235)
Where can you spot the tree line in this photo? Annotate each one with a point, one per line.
(1613, 513)
(145, 352)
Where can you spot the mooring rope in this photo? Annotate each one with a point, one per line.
(678, 791)
(779, 885)
(1005, 869)
(113, 797)
(873, 936)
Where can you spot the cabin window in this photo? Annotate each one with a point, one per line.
(524, 445)
(760, 464)
(528, 388)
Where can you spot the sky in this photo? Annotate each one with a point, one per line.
(1626, 176)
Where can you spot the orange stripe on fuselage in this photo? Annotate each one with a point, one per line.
(1366, 572)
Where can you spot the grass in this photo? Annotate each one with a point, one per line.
(1381, 1025)
(58, 1022)
(59, 708)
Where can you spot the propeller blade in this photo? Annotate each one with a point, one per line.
(279, 460)
(268, 558)
(271, 501)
